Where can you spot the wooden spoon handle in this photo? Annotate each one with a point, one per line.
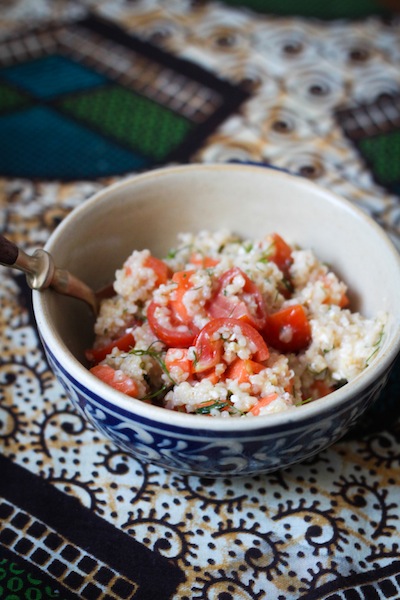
(8, 251)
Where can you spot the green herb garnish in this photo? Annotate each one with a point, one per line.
(376, 346)
(205, 410)
(306, 401)
(174, 251)
(163, 390)
(157, 355)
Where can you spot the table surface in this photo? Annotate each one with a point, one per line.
(319, 97)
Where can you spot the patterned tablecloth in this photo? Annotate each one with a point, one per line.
(89, 93)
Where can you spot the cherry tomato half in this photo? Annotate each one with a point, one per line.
(118, 380)
(240, 306)
(168, 329)
(288, 330)
(282, 254)
(160, 268)
(124, 343)
(182, 279)
(209, 347)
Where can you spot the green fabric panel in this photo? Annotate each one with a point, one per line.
(379, 151)
(340, 9)
(130, 118)
(17, 583)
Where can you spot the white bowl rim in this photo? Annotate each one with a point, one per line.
(314, 409)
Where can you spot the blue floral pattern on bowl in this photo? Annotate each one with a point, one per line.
(213, 453)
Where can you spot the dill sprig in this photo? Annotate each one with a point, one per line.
(162, 390)
(376, 346)
(305, 401)
(219, 404)
(174, 251)
(157, 355)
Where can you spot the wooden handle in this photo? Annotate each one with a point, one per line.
(8, 251)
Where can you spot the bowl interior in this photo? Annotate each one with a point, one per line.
(148, 211)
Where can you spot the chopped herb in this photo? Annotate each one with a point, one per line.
(157, 355)
(204, 410)
(163, 390)
(370, 357)
(266, 256)
(375, 346)
(306, 401)
(174, 251)
(288, 284)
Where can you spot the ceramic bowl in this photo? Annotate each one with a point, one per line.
(147, 211)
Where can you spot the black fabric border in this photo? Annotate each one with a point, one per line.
(375, 578)
(156, 576)
(233, 95)
(357, 136)
(191, 70)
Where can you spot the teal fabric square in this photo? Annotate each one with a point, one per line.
(42, 143)
(50, 76)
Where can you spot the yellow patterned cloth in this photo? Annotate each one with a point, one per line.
(78, 517)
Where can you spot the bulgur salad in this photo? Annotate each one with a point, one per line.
(227, 327)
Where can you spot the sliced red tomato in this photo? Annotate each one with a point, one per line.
(116, 379)
(263, 402)
(320, 389)
(208, 351)
(168, 329)
(241, 370)
(160, 268)
(124, 343)
(288, 330)
(281, 254)
(248, 305)
(182, 279)
(209, 347)
(178, 357)
(209, 374)
(343, 301)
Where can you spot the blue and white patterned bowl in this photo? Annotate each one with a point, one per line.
(147, 211)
